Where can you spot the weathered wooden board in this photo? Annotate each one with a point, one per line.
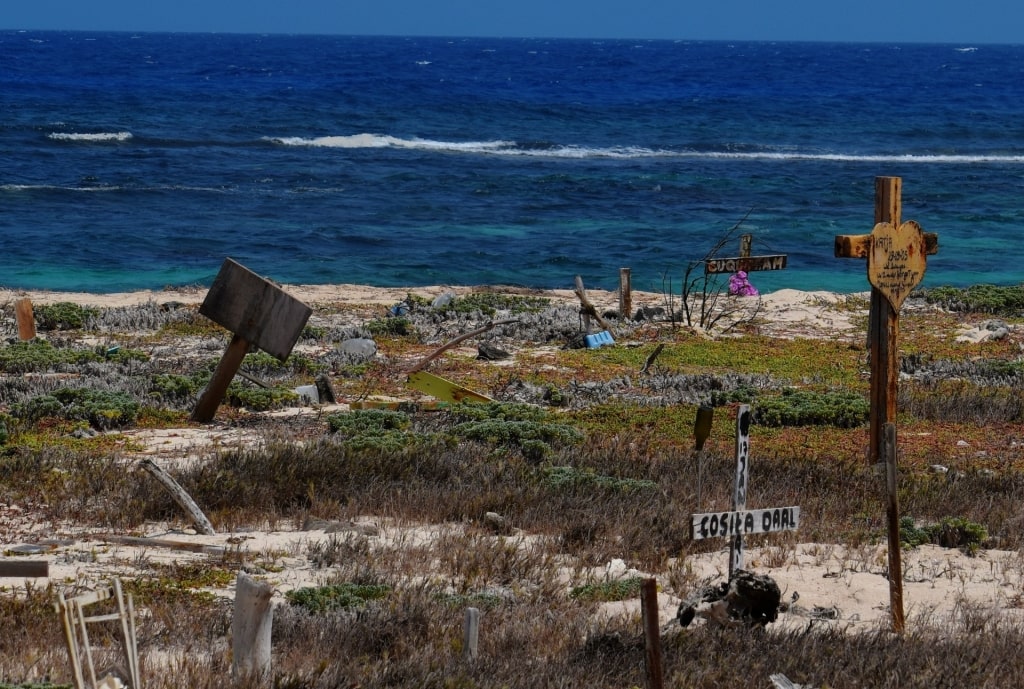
(742, 522)
(745, 263)
(897, 261)
(24, 568)
(255, 309)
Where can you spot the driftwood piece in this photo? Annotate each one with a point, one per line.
(183, 499)
(747, 599)
(653, 355)
(143, 542)
(586, 306)
(251, 625)
(461, 338)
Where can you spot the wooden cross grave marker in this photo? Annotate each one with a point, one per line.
(896, 255)
(740, 520)
(257, 312)
(745, 261)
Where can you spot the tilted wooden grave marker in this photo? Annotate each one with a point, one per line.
(745, 261)
(257, 312)
(740, 520)
(896, 253)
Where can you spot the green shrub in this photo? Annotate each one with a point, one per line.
(520, 426)
(608, 591)
(363, 421)
(173, 386)
(372, 429)
(259, 399)
(742, 395)
(911, 535)
(319, 599)
(567, 477)
(63, 315)
(40, 355)
(489, 303)
(950, 532)
(994, 299)
(806, 408)
(395, 327)
(103, 409)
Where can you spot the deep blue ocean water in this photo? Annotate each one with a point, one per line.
(142, 161)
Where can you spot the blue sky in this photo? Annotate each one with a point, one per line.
(947, 21)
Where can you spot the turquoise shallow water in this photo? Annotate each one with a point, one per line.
(141, 161)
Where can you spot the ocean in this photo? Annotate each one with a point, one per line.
(139, 161)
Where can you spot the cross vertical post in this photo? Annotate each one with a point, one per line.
(739, 496)
(883, 328)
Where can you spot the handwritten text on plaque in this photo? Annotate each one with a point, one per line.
(897, 261)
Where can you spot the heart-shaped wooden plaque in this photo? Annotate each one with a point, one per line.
(897, 260)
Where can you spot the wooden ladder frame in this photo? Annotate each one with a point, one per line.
(76, 633)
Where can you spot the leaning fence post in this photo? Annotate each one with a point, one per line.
(250, 627)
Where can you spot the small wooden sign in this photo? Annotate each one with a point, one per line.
(255, 309)
(743, 522)
(745, 263)
(258, 312)
(897, 261)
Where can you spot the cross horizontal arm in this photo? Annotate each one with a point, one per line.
(859, 245)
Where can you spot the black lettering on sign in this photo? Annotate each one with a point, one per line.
(748, 523)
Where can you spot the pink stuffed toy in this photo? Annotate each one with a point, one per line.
(740, 285)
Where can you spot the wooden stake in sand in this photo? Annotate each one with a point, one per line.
(259, 313)
(26, 319)
(625, 294)
(251, 626)
(895, 253)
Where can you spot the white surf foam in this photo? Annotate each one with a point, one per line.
(99, 136)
